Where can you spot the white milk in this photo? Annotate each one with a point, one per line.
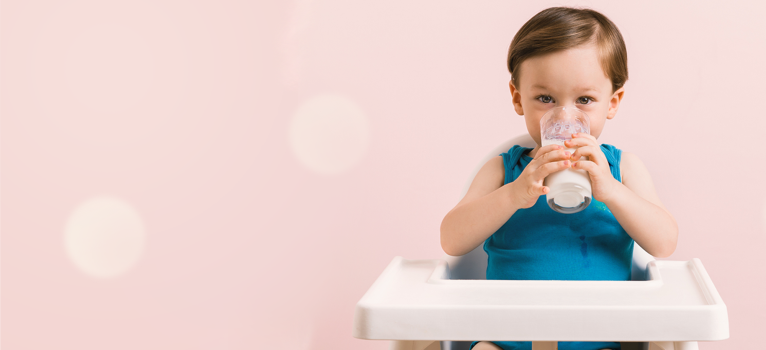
(570, 189)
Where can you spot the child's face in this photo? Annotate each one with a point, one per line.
(571, 77)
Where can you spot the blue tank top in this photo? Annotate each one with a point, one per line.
(538, 243)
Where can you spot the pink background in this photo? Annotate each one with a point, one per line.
(190, 113)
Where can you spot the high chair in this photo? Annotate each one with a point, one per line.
(447, 303)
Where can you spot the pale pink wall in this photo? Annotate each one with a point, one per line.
(273, 158)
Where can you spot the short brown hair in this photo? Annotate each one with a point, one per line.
(560, 28)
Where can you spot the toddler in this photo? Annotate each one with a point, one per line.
(574, 58)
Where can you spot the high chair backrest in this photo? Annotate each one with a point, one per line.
(474, 264)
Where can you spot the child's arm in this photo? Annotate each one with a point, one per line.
(489, 204)
(634, 203)
(639, 210)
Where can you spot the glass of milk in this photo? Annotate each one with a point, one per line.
(570, 189)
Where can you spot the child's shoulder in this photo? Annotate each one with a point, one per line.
(632, 169)
(630, 160)
(490, 177)
(637, 178)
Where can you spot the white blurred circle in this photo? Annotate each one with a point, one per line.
(329, 134)
(104, 237)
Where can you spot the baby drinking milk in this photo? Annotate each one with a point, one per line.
(574, 58)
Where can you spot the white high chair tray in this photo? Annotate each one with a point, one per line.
(415, 300)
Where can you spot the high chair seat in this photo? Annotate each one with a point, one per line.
(446, 303)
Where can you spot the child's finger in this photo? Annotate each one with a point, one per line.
(591, 167)
(593, 153)
(547, 149)
(548, 168)
(553, 156)
(582, 135)
(579, 142)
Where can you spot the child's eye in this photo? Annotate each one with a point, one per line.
(584, 100)
(544, 98)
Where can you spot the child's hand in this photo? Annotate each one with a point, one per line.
(602, 181)
(529, 185)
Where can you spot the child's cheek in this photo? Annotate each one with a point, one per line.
(541, 108)
(588, 108)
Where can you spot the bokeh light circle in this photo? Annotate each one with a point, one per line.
(104, 237)
(329, 134)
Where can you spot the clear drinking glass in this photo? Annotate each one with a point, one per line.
(570, 189)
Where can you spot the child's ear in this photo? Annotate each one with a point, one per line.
(516, 99)
(614, 102)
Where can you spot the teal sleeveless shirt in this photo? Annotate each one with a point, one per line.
(538, 243)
